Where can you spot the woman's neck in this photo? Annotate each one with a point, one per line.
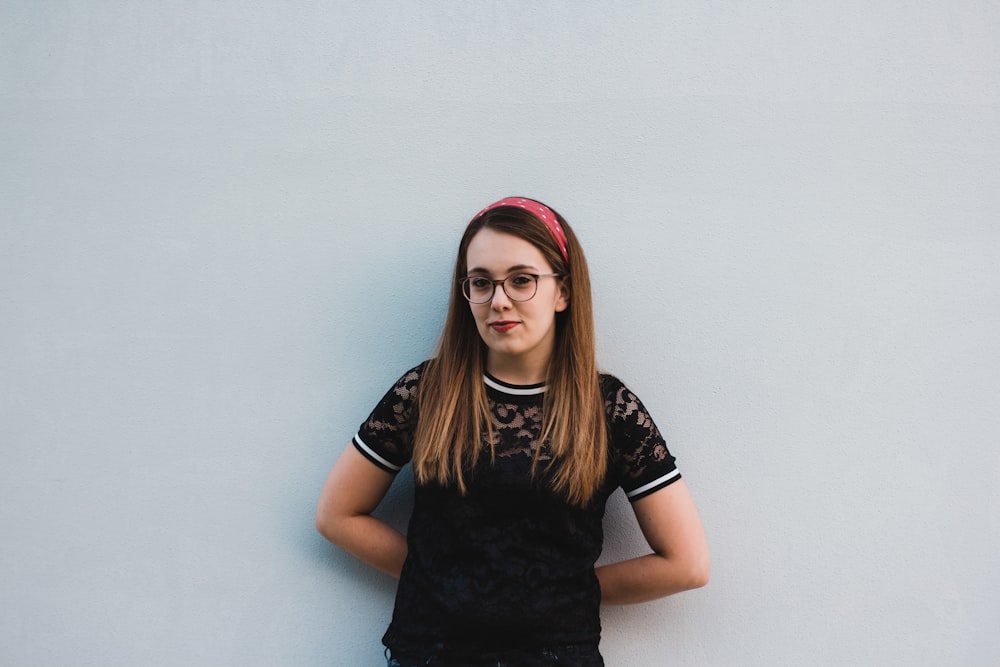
(516, 369)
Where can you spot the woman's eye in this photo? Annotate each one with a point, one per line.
(479, 283)
(521, 280)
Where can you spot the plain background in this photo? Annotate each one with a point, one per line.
(227, 227)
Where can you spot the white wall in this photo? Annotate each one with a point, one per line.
(226, 228)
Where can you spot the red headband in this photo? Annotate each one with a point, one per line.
(540, 211)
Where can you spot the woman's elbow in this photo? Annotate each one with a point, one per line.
(700, 576)
(690, 570)
(699, 572)
(322, 527)
(327, 525)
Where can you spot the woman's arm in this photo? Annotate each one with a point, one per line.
(679, 562)
(351, 493)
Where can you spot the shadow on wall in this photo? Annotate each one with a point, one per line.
(396, 507)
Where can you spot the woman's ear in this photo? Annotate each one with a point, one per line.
(562, 302)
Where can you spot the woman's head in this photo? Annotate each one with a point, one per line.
(516, 237)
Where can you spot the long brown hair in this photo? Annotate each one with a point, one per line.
(453, 410)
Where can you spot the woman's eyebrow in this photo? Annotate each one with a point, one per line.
(516, 267)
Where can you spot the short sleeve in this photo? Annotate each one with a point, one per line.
(386, 437)
(640, 459)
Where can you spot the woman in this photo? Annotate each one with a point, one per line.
(516, 442)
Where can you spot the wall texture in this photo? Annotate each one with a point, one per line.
(226, 228)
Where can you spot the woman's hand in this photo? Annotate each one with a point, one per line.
(351, 493)
(679, 562)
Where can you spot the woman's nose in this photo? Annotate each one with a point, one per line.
(500, 299)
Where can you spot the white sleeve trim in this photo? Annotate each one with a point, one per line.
(371, 452)
(652, 485)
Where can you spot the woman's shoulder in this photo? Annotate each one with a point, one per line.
(619, 400)
(405, 388)
(609, 381)
(411, 378)
(611, 386)
(415, 373)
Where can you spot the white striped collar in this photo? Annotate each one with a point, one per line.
(513, 389)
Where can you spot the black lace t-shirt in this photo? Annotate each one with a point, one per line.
(509, 565)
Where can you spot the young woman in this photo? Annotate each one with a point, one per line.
(516, 442)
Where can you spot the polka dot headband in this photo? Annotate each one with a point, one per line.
(540, 211)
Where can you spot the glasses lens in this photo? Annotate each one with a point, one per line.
(478, 290)
(520, 287)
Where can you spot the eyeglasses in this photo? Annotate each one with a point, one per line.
(517, 287)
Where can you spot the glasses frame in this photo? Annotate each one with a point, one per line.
(463, 282)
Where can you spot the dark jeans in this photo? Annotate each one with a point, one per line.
(562, 656)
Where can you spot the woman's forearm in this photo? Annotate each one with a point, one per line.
(648, 578)
(368, 539)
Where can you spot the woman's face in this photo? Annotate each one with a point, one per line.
(520, 335)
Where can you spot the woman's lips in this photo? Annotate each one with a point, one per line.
(503, 326)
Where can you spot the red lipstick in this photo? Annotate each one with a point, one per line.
(503, 326)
